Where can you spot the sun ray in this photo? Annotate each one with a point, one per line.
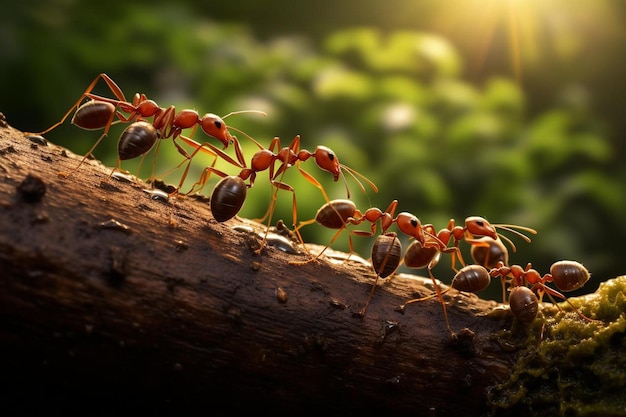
(520, 36)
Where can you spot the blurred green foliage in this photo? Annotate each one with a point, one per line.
(393, 105)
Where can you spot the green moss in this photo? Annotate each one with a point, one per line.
(568, 366)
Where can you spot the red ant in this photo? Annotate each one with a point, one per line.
(229, 194)
(566, 275)
(419, 255)
(387, 249)
(475, 278)
(480, 233)
(100, 112)
(338, 214)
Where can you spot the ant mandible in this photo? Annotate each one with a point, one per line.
(229, 194)
(566, 275)
(100, 112)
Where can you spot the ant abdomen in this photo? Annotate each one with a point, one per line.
(524, 304)
(417, 256)
(472, 278)
(569, 275)
(93, 115)
(386, 254)
(136, 140)
(491, 253)
(228, 197)
(335, 214)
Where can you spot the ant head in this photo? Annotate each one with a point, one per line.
(478, 226)
(214, 126)
(327, 160)
(411, 226)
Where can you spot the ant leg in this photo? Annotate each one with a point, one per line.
(454, 250)
(270, 212)
(154, 159)
(63, 174)
(313, 181)
(239, 153)
(115, 89)
(417, 300)
(386, 266)
(439, 294)
(204, 177)
(319, 255)
(456, 253)
(274, 144)
(207, 148)
(156, 153)
(112, 86)
(551, 292)
(362, 312)
(441, 300)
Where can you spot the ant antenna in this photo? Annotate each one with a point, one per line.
(232, 113)
(354, 175)
(515, 229)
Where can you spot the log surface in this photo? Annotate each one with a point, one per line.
(112, 300)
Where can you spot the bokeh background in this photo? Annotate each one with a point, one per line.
(507, 109)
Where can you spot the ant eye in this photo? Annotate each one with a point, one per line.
(414, 222)
(331, 156)
(218, 124)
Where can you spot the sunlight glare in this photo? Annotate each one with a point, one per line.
(521, 33)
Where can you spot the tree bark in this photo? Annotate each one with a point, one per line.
(114, 300)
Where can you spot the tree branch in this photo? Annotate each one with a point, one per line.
(113, 300)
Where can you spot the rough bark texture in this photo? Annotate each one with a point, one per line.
(112, 300)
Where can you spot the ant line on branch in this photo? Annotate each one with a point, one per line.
(148, 122)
